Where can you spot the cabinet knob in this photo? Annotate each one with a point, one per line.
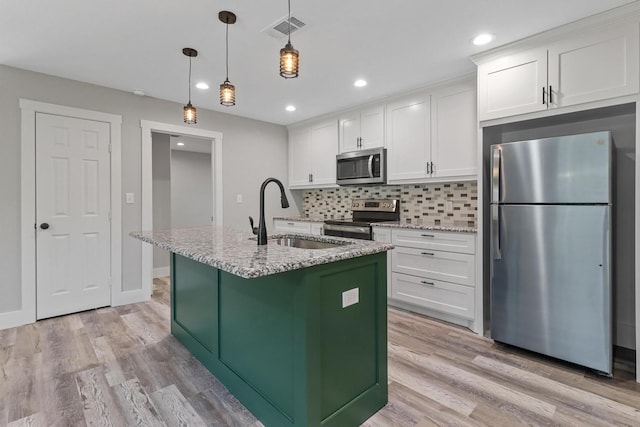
(427, 253)
(424, 282)
(44, 225)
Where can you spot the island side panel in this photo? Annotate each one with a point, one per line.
(194, 302)
(353, 337)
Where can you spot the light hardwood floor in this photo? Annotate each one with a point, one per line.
(120, 366)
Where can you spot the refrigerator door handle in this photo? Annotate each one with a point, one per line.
(495, 231)
(495, 175)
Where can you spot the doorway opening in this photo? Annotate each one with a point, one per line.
(202, 138)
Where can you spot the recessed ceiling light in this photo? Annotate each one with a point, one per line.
(180, 144)
(482, 39)
(360, 83)
(202, 85)
(290, 108)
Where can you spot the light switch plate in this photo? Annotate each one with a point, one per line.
(129, 198)
(238, 198)
(350, 297)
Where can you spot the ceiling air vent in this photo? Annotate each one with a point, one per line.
(280, 28)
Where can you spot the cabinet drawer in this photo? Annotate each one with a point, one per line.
(317, 228)
(438, 265)
(382, 234)
(292, 226)
(445, 297)
(438, 240)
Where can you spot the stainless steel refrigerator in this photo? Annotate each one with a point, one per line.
(551, 243)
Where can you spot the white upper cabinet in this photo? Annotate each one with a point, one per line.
(596, 64)
(408, 138)
(312, 155)
(454, 131)
(433, 134)
(299, 156)
(362, 129)
(513, 85)
(324, 148)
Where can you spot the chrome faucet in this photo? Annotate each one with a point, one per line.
(261, 231)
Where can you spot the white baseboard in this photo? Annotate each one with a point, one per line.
(130, 297)
(12, 319)
(161, 272)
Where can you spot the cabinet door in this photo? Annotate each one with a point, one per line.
(408, 138)
(349, 131)
(299, 156)
(372, 127)
(512, 85)
(454, 131)
(594, 66)
(295, 227)
(324, 147)
(316, 228)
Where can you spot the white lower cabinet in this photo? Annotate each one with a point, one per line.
(297, 227)
(445, 297)
(434, 273)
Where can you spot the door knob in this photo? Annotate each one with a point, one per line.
(44, 225)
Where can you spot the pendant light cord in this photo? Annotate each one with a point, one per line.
(189, 80)
(289, 20)
(227, 49)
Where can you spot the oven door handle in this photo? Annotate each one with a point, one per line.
(371, 166)
(349, 228)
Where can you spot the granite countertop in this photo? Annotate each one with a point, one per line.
(237, 252)
(417, 224)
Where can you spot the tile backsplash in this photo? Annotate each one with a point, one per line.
(426, 202)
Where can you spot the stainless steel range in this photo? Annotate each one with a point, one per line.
(365, 212)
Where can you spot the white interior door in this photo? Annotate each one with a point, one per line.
(72, 215)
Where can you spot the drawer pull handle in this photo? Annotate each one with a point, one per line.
(290, 223)
(427, 235)
(424, 282)
(427, 253)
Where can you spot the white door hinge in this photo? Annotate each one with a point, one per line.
(109, 215)
(109, 147)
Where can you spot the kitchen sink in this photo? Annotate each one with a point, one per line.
(296, 242)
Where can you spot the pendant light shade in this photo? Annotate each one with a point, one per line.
(227, 90)
(289, 59)
(227, 94)
(190, 112)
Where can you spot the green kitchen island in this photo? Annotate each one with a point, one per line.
(299, 336)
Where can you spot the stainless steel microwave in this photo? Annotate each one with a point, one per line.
(362, 167)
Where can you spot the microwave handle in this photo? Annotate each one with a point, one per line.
(371, 166)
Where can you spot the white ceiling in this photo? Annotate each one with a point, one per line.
(195, 145)
(394, 45)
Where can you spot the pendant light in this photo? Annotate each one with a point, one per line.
(190, 112)
(227, 90)
(288, 55)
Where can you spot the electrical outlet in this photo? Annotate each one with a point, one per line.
(448, 206)
(350, 297)
(129, 198)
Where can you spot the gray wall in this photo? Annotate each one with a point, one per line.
(161, 169)
(191, 189)
(621, 121)
(252, 151)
